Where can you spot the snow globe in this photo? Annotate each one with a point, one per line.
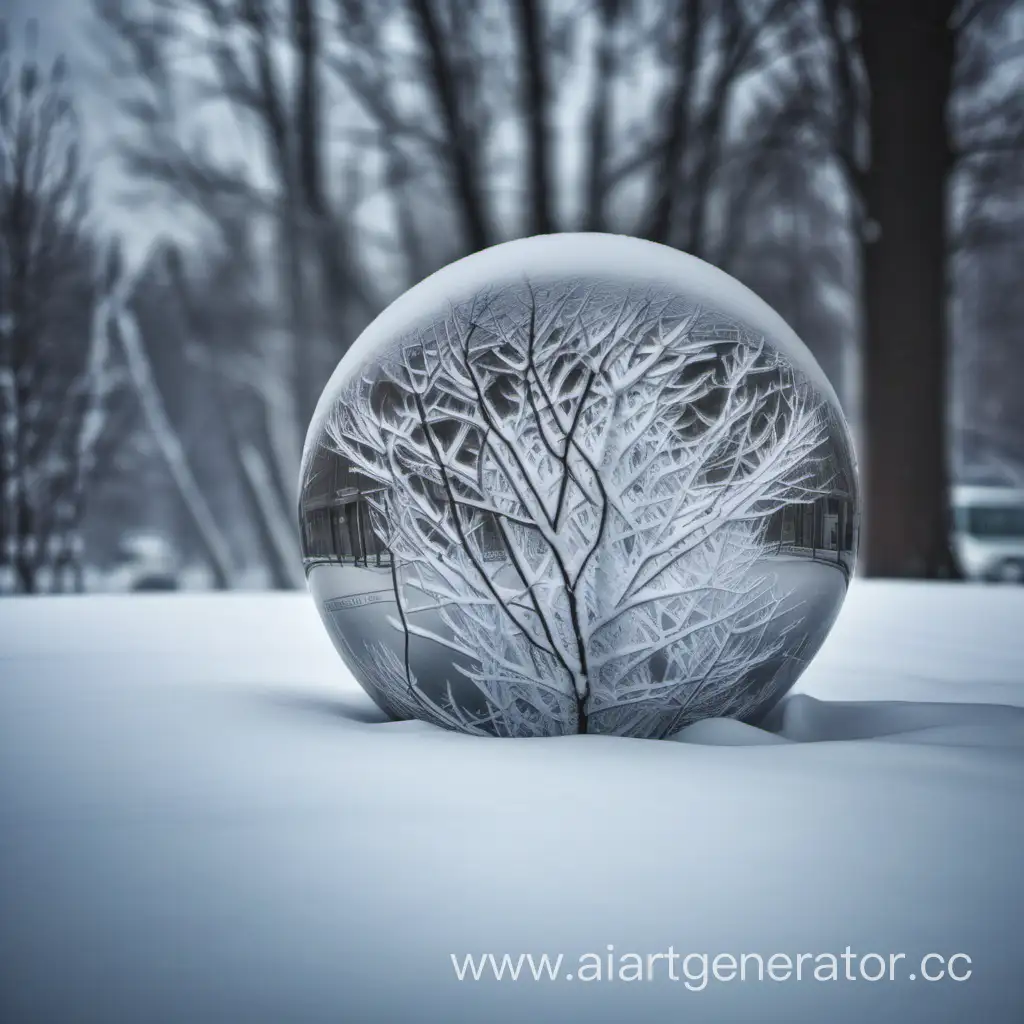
(578, 483)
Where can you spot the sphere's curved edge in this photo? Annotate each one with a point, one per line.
(580, 253)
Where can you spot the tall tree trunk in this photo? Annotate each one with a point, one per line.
(908, 52)
(598, 127)
(307, 213)
(712, 130)
(338, 289)
(296, 173)
(306, 35)
(26, 562)
(460, 136)
(534, 85)
(678, 121)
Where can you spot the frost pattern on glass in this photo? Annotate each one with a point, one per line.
(573, 506)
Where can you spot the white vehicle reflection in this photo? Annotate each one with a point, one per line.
(988, 532)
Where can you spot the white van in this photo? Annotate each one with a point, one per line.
(988, 532)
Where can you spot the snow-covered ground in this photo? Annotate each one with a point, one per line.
(202, 820)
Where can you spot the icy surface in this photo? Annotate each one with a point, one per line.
(202, 820)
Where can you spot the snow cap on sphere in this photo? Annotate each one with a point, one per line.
(575, 254)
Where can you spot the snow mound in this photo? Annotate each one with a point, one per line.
(727, 732)
(1007, 735)
(807, 719)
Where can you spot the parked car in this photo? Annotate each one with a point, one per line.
(146, 561)
(988, 532)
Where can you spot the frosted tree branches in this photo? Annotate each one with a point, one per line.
(574, 482)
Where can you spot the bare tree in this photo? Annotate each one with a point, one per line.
(57, 376)
(219, 318)
(479, 75)
(360, 56)
(610, 16)
(534, 73)
(257, 69)
(577, 482)
(121, 324)
(710, 48)
(451, 116)
(450, 37)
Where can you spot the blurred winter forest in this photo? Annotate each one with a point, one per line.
(202, 203)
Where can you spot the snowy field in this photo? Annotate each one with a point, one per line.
(203, 820)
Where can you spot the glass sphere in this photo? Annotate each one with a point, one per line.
(578, 483)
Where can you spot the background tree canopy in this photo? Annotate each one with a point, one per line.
(201, 214)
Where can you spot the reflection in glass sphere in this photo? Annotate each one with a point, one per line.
(578, 483)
